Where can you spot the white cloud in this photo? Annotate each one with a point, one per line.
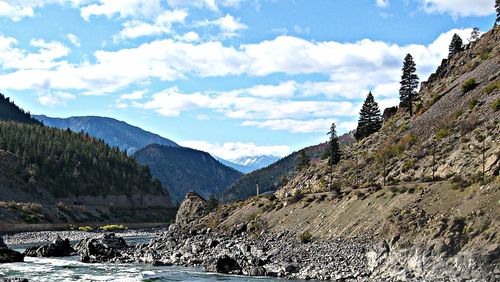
(124, 8)
(136, 95)
(235, 104)
(208, 4)
(292, 125)
(234, 150)
(228, 25)
(46, 58)
(73, 39)
(188, 37)
(14, 12)
(284, 89)
(353, 68)
(382, 3)
(459, 8)
(162, 24)
(57, 98)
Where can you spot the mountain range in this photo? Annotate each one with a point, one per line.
(114, 132)
(183, 169)
(178, 168)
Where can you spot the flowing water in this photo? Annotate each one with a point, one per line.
(71, 269)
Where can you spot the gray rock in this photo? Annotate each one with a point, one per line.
(8, 256)
(58, 248)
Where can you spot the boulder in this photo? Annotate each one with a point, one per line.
(58, 248)
(2, 244)
(109, 248)
(192, 208)
(8, 255)
(222, 264)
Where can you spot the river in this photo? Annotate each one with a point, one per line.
(71, 269)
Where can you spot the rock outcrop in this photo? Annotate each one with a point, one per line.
(109, 248)
(7, 255)
(192, 208)
(58, 248)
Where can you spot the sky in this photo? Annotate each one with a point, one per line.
(231, 77)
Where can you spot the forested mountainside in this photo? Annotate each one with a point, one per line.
(9, 111)
(44, 167)
(277, 174)
(183, 169)
(114, 132)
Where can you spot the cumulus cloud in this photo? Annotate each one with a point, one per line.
(238, 105)
(14, 12)
(46, 58)
(382, 3)
(459, 8)
(228, 25)
(73, 39)
(234, 150)
(190, 36)
(162, 24)
(122, 8)
(205, 4)
(353, 68)
(56, 98)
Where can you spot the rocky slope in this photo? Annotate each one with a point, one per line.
(415, 191)
(181, 170)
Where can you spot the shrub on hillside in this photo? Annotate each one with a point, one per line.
(472, 104)
(496, 105)
(469, 84)
(112, 227)
(305, 237)
(492, 87)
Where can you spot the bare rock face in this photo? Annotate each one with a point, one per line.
(109, 248)
(192, 208)
(58, 248)
(2, 244)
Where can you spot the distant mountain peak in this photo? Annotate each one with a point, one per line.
(247, 164)
(114, 132)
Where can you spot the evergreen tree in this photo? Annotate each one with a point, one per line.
(474, 34)
(497, 8)
(455, 45)
(303, 161)
(370, 120)
(334, 147)
(409, 84)
(212, 204)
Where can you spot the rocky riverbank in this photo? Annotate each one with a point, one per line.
(72, 235)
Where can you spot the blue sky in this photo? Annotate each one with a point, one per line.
(231, 77)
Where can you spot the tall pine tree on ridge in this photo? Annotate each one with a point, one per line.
(409, 84)
(370, 120)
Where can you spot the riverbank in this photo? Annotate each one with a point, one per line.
(27, 227)
(43, 237)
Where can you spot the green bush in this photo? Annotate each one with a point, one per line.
(496, 105)
(469, 84)
(473, 103)
(305, 237)
(492, 87)
(86, 228)
(112, 227)
(443, 133)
